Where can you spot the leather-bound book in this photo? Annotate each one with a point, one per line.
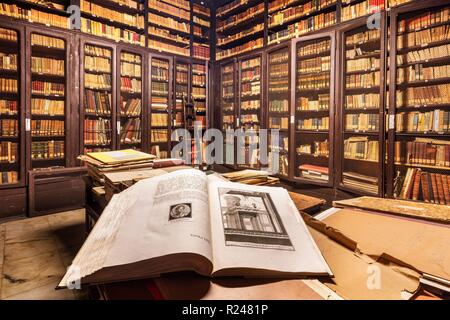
(416, 185)
(434, 187)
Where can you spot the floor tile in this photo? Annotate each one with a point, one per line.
(22, 275)
(18, 249)
(28, 229)
(45, 292)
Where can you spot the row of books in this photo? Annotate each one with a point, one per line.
(9, 177)
(9, 128)
(361, 148)
(8, 85)
(250, 89)
(314, 48)
(160, 72)
(97, 64)
(363, 37)
(131, 131)
(7, 34)
(281, 123)
(307, 25)
(47, 88)
(424, 55)
(423, 37)
(159, 103)
(126, 58)
(97, 51)
(98, 103)
(322, 103)
(32, 15)
(320, 124)
(170, 9)
(431, 152)
(315, 148)
(199, 80)
(41, 128)
(424, 20)
(8, 61)
(49, 42)
(162, 46)
(47, 150)
(9, 152)
(363, 64)
(222, 40)
(295, 12)
(159, 135)
(97, 132)
(97, 81)
(249, 118)
(361, 9)
(181, 77)
(313, 172)
(159, 120)
(200, 51)
(422, 122)
(318, 64)
(429, 95)
(251, 75)
(248, 46)
(169, 23)
(366, 80)
(421, 185)
(166, 34)
(250, 105)
(47, 66)
(362, 101)
(130, 85)
(131, 107)
(47, 107)
(8, 107)
(362, 122)
(359, 181)
(136, 20)
(279, 85)
(233, 20)
(203, 10)
(106, 31)
(160, 88)
(313, 81)
(418, 72)
(279, 105)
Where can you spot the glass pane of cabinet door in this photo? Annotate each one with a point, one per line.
(279, 105)
(10, 111)
(361, 112)
(228, 108)
(249, 112)
(130, 101)
(313, 98)
(48, 101)
(159, 107)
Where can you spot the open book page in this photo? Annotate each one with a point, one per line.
(258, 231)
(170, 216)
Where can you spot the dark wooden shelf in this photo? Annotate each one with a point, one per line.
(238, 9)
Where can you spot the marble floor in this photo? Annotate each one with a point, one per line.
(35, 252)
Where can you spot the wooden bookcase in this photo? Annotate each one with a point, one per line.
(360, 129)
(418, 132)
(250, 107)
(314, 101)
(278, 110)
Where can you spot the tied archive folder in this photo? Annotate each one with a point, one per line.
(188, 221)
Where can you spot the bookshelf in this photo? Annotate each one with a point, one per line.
(250, 107)
(279, 105)
(420, 139)
(239, 27)
(199, 96)
(292, 18)
(160, 105)
(12, 163)
(130, 108)
(48, 101)
(182, 116)
(314, 107)
(353, 9)
(361, 130)
(228, 108)
(98, 92)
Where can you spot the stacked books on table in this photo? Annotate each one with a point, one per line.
(357, 180)
(101, 163)
(252, 177)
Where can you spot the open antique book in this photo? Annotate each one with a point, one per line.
(186, 220)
